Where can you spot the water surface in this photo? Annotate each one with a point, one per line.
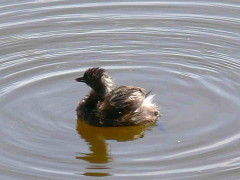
(186, 51)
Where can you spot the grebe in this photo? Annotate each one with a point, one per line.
(107, 105)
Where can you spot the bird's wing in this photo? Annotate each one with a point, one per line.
(121, 101)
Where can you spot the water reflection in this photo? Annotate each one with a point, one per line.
(96, 174)
(97, 136)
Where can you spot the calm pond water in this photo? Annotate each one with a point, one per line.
(186, 51)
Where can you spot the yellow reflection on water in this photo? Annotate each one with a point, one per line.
(97, 136)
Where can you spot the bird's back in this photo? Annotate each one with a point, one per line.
(124, 106)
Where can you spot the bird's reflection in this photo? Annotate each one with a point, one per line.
(97, 136)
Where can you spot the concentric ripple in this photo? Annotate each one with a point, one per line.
(186, 51)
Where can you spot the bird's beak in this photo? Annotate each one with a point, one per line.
(80, 79)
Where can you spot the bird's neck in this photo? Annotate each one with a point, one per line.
(103, 88)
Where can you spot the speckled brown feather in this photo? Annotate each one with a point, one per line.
(121, 101)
